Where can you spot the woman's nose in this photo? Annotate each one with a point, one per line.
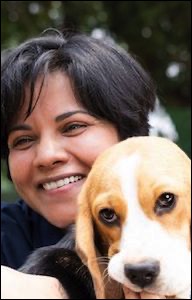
(50, 152)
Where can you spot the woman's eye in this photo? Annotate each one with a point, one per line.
(22, 142)
(73, 128)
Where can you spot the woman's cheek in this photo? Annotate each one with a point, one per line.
(19, 167)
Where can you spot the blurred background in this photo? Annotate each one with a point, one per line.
(158, 33)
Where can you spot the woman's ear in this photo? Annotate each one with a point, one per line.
(85, 245)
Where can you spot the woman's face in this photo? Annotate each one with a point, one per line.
(52, 151)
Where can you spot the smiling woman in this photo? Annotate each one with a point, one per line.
(73, 97)
(46, 147)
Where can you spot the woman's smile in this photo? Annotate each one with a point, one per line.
(61, 188)
(59, 181)
(57, 184)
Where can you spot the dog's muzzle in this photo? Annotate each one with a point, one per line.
(142, 274)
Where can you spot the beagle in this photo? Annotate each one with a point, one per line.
(136, 207)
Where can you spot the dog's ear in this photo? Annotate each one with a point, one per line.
(85, 245)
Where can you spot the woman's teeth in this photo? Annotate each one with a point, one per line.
(59, 183)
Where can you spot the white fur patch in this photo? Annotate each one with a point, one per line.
(143, 238)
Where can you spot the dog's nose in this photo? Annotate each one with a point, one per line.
(142, 274)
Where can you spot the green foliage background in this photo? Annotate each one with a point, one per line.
(158, 33)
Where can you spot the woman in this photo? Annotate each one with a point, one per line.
(65, 99)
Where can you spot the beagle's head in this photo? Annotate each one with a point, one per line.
(135, 206)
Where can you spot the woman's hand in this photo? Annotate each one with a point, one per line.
(17, 285)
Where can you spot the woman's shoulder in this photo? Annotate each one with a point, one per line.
(18, 214)
(13, 210)
(22, 231)
(15, 214)
(35, 226)
(15, 237)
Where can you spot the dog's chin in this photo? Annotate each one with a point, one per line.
(147, 291)
(133, 288)
(155, 291)
(169, 292)
(159, 292)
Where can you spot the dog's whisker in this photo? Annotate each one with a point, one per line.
(81, 267)
(105, 271)
(103, 260)
(105, 277)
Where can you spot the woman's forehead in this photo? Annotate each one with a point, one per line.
(54, 93)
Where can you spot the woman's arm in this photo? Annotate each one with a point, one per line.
(17, 285)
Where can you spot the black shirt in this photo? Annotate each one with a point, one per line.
(22, 231)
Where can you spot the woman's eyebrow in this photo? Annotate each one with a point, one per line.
(57, 119)
(19, 127)
(69, 114)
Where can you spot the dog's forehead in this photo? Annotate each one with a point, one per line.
(153, 155)
(126, 166)
(145, 173)
(151, 149)
(152, 163)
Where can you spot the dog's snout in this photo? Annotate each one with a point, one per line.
(142, 274)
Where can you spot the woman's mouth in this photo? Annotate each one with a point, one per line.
(56, 184)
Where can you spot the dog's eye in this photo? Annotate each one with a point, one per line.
(165, 203)
(108, 216)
